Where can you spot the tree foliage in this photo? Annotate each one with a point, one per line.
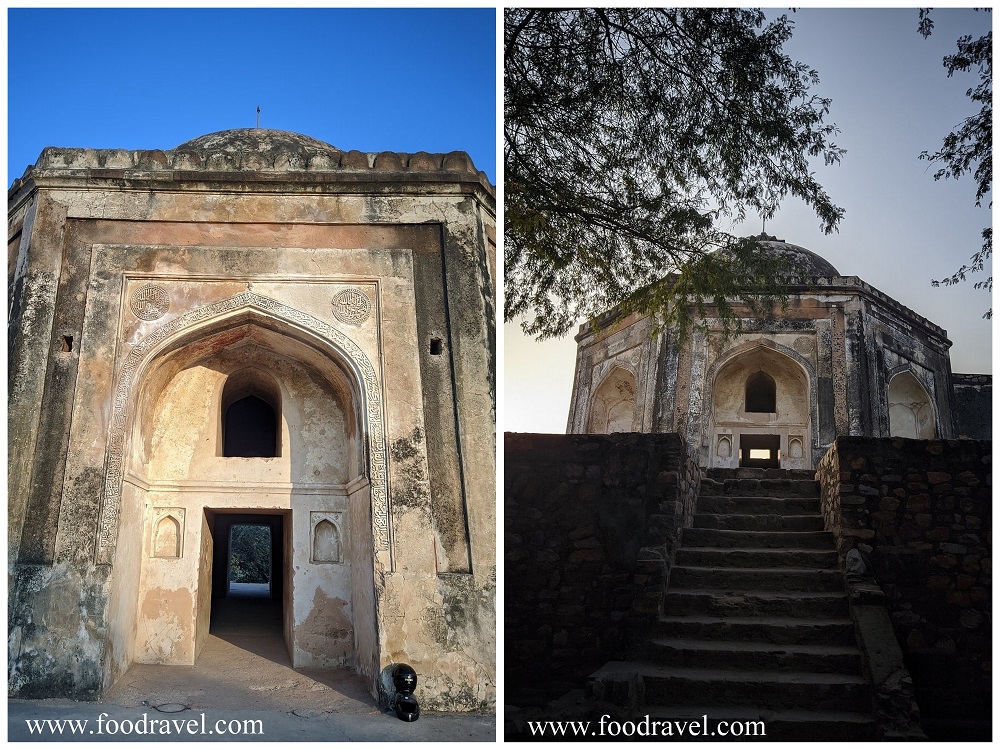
(250, 554)
(969, 148)
(630, 137)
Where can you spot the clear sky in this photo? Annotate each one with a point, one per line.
(892, 99)
(373, 80)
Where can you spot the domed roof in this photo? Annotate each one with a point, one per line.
(257, 140)
(806, 262)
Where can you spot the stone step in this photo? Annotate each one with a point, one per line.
(756, 579)
(786, 506)
(746, 655)
(729, 557)
(760, 487)
(716, 603)
(779, 690)
(767, 629)
(752, 473)
(757, 539)
(757, 522)
(795, 725)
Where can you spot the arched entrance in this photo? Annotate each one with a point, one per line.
(911, 414)
(613, 407)
(175, 405)
(760, 412)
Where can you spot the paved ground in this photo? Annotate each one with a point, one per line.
(243, 673)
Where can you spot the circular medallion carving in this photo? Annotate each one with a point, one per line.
(803, 345)
(352, 306)
(149, 302)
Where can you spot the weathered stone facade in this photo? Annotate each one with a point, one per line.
(920, 514)
(842, 359)
(591, 522)
(973, 406)
(351, 293)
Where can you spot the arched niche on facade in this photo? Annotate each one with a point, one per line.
(167, 537)
(760, 411)
(327, 540)
(612, 408)
(911, 413)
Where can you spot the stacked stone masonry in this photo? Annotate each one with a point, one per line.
(920, 514)
(591, 525)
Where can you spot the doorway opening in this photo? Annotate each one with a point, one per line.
(249, 561)
(251, 573)
(760, 451)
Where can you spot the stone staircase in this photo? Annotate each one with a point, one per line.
(755, 623)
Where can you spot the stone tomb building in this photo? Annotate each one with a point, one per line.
(844, 359)
(254, 327)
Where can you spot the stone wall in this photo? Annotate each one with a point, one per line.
(919, 512)
(972, 405)
(592, 522)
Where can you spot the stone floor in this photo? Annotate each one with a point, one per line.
(244, 671)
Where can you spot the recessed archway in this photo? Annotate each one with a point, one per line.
(911, 413)
(760, 411)
(318, 387)
(613, 407)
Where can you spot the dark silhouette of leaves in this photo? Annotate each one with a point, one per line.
(969, 149)
(628, 135)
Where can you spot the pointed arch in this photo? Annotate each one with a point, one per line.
(249, 410)
(762, 398)
(326, 543)
(613, 406)
(167, 538)
(911, 411)
(249, 307)
(760, 394)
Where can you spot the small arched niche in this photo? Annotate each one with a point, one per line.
(613, 406)
(327, 541)
(167, 537)
(250, 412)
(911, 414)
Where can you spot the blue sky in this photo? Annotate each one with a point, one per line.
(892, 99)
(373, 79)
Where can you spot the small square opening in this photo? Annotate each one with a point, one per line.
(435, 346)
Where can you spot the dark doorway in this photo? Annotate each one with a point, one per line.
(760, 451)
(250, 429)
(249, 574)
(761, 394)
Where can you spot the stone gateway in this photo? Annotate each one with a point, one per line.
(252, 329)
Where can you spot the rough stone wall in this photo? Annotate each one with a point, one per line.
(919, 512)
(591, 526)
(972, 405)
